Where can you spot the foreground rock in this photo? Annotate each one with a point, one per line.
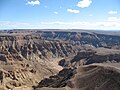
(59, 80)
(91, 77)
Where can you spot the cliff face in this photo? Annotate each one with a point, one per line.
(96, 39)
(90, 56)
(27, 57)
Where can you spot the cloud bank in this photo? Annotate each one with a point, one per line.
(107, 25)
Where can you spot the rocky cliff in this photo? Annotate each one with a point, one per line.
(26, 59)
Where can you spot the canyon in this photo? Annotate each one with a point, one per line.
(59, 60)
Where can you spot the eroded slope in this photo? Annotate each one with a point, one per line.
(90, 77)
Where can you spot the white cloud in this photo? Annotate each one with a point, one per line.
(112, 12)
(73, 11)
(61, 25)
(84, 3)
(83, 25)
(55, 12)
(36, 2)
(115, 19)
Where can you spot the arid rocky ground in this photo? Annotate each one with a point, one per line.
(59, 60)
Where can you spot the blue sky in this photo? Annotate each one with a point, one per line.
(60, 14)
